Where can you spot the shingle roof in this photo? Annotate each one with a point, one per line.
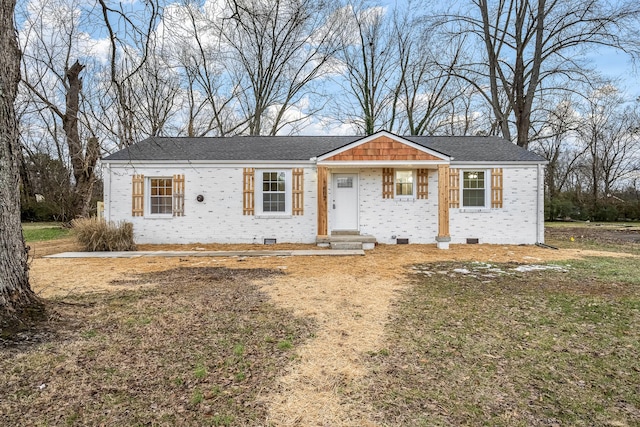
(293, 148)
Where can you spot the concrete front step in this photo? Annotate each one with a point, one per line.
(345, 233)
(347, 241)
(346, 245)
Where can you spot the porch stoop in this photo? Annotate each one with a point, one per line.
(347, 241)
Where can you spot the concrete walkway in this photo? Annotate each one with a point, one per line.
(138, 254)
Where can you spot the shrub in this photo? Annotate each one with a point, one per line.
(99, 235)
(40, 211)
(607, 213)
(560, 207)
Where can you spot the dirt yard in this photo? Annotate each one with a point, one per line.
(348, 297)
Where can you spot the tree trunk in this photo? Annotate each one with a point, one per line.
(17, 301)
(83, 162)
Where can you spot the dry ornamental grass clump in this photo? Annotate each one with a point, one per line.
(99, 235)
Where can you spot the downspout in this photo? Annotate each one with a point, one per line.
(538, 196)
(107, 206)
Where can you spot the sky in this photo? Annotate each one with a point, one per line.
(617, 65)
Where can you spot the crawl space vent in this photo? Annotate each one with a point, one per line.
(402, 241)
(472, 241)
(269, 241)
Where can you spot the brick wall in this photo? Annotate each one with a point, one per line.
(514, 223)
(218, 218)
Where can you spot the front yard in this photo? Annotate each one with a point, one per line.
(499, 345)
(406, 335)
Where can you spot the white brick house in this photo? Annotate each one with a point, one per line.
(301, 189)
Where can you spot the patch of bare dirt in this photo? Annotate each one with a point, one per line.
(349, 297)
(601, 235)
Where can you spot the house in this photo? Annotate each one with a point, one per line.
(305, 189)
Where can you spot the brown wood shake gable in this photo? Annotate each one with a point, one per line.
(383, 148)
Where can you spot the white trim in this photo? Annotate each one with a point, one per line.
(413, 182)
(501, 164)
(487, 191)
(217, 163)
(258, 194)
(147, 198)
(408, 164)
(383, 133)
(314, 161)
(540, 205)
(475, 210)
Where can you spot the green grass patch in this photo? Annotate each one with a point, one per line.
(200, 372)
(607, 272)
(37, 232)
(512, 348)
(285, 345)
(197, 397)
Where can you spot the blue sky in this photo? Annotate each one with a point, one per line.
(617, 65)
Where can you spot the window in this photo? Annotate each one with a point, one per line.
(274, 191)
(345, 182)
(161, 197)
(404, 183)
(473, 189)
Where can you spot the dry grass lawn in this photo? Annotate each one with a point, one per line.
(338, 308)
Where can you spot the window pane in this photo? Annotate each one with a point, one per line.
(404, 183)
(473, 191)
(160, 200)
(345, 182)
(473, 198)
(273, 192)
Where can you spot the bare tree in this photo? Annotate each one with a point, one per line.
(129, 32)
(611, 136)
(56, 85)
(557, 142)
(529, 42)
(369, 57)
(57, 52)
(195, 48)
(426, 90)
(562, 125)
(280, 47)
(18, 303)
(154, 91)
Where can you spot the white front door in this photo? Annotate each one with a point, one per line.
(345, 201)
